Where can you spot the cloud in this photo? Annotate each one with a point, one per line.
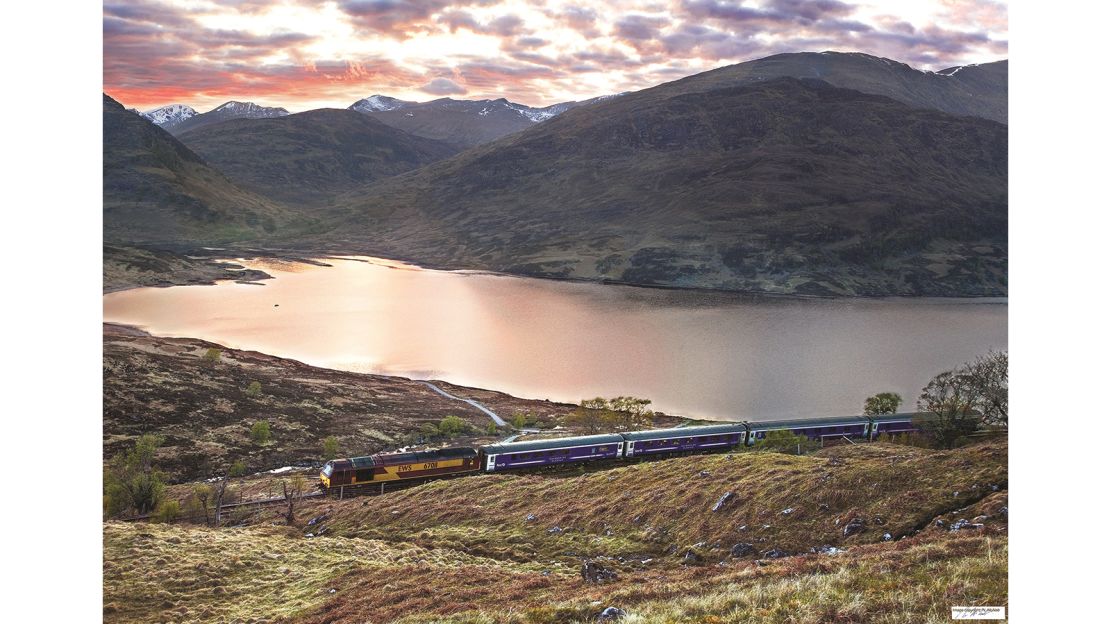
(306, 53)
(443, 86)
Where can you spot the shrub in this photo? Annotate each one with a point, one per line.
(237, 469)
(331, 447)
(168, 511)
(212, 355)
(260, 432)
(254, 389)
(491, 429)
(452, 426)
(783, 441)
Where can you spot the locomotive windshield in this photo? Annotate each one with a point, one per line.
(327, 469)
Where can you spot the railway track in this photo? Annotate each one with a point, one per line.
(258, 502)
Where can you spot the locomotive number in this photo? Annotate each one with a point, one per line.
(430, 465)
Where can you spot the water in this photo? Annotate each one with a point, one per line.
(707, 355)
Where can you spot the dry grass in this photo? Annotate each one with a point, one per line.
(462, 551)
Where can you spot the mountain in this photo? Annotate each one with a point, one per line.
(464, 123)
(157, 190)
(979, 90)
(378, 103)
(166, 117)
(771, 185)
(226, 112)
(310, 157)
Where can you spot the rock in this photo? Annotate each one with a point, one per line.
(980, 519)
(887, 537)
(530, 518)
(742, 550)
(941, 523)
(964, 524)
(691, 558)
(610, 613)
(742, 528)
(554, 529)
(775, 553)
(723, 500)
(823, 506)
(308, 535)
(855, 526)
(317, 519)
(787, 511)
(827, 550)
(593, 572)
(321, 531)
(703, 473)
(1004, 512)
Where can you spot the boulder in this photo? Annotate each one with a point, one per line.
(593, 572)
(775, 553)
(887, 537)
(742, 550)
(723, 500)
(855, 526)
(530, 518)
(610, 614)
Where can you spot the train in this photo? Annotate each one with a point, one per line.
(414, 467)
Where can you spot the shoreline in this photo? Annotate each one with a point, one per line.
(318, 257)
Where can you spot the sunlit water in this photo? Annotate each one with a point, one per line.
(697, 354)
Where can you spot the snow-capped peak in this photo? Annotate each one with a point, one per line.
(250, 109)
(169, 115)
(376, 103)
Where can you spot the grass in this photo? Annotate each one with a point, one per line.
(463, 550)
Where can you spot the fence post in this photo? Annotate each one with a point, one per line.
(341, 492)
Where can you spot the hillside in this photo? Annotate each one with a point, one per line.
(158, 190)
(510, 548)
(204, 408)
(308, 158)
(784, 185)
(226, 112)
(978, 90)
(463, 123)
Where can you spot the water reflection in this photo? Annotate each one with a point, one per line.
(710, 355)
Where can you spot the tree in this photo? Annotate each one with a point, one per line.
(260, 432)
(130, 481)
(491, 429)
(948, 403)
(292, 490)
(519, 420)
(882, 403)
(218, 500)
(331, 447)
(989, 379)
(619, 413)
(254, 389)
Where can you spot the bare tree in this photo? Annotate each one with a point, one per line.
(989, 378)
(218, 502)
(292, 490)
(202, 493)
(949, 404)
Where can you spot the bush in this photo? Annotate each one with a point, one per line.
(212, 355)
(782, 441)
(491, 429)
(168, 511)
(260, 432)
(237, 469)
(331, 447)
(452, 426)
(254, 389)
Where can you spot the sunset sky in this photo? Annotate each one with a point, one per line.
(304, 54)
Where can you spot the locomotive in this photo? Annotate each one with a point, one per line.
(416, 467)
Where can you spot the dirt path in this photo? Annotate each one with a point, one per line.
(496, 419)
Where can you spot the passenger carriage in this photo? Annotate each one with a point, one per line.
(893, 424)
(813, 428)
(683, 439)
(539, 453)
